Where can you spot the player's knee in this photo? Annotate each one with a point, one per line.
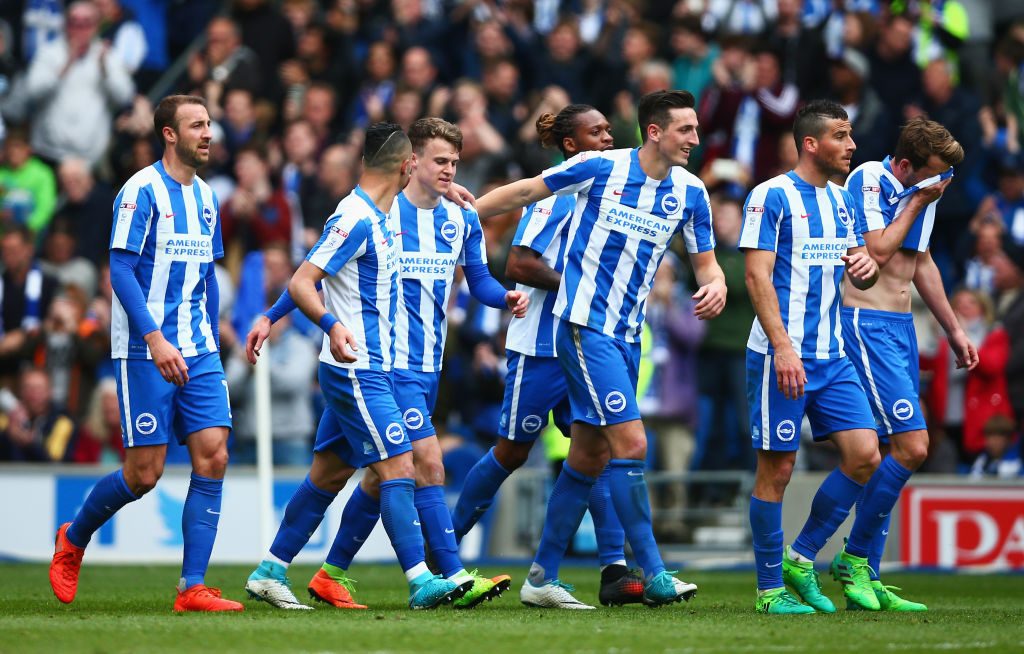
(863, 466)
(429, 472)
(911, 455)
(331, 481)
(630, 447)
(511, 456)
(213, 464)
(142, 480)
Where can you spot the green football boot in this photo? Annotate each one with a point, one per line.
(484, 589)
(781, 602)
(890, 601)
(854, 573)
(802, 578)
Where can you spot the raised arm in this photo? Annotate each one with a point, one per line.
(512, 196)
(883, 243)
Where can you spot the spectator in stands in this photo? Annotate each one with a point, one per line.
(985, 243)
(744, 17)
(28, 188)
(320, 109)
(86, 204)
(76, 85)
(122, 34)
(62, 261)
(406, 107)
(299, 172)
(239, 123)
(501, 87)
(31, 427)
(99, 435)
(293, 363)
(565, 63)
(419, 73)
(693, 54)
(803, 59)
(723, 431)
(223, 65)
(26, 293)
(962, 401)
(874, 129)
(482, 145)
(336, 177)
(894, 75)
(266, 32)
(70, 348)
(378, 85)
(1001, 456)
(669, 365)
(257, 212)
(1010, 276)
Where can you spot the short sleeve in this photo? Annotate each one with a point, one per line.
(342, 241)
(575, 175)
(133, 213)
(865, 189)
(697, 231)
(761, 215)
(540, 221)
(474, 250)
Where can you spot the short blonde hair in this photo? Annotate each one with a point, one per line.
(921, 138)
(426, 129)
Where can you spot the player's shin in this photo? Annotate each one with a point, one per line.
(830, 507)
(302, 516)
(880, 495)
(629, 496)
(437, 526)
(611, 538)
(104, 500)
(482, 484)
(566, 506)
(359, 517)
(199, 520)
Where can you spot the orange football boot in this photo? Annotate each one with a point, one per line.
(203, 598)
(67, 561)
(327, 589)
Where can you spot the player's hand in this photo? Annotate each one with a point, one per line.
(963, 348)
(926, 196)
(254, 339)
(167, 359)
(517, 302)
(461, 196)
(343, 344)
(860, 266)
(710, 300)
(789, 373)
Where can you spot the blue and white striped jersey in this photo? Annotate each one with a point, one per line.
(544, 228)
(176, 231)
(623, 223)
(809, 229)
(873, 186)
(360, 256)
(433, 242)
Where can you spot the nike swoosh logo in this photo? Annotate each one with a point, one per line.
(883, 515)
(479, 509)
(617, 192)
(416, 522)
(358, 539)
(885, 532)
(633, 473)
(449, 531)
(212, 512)
(769, 565)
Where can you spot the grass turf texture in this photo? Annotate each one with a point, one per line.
(128, 609)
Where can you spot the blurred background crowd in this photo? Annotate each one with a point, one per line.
(292, 84)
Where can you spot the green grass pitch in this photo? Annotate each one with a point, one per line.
(128, 609)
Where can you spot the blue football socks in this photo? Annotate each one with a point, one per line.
(104, 500)
(629, 495)
(437, 526)
(880, 495)
(829, 508)
(877, 548)
(478, 493)
(566, 506)
(199, 520)
(611, 538)
(398, 512)
(358, 519)
(304, 513)
(766, 528)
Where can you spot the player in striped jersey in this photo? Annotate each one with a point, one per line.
(357, 261)
(799, 239)
(631, 203)
(164, 339)
(896, 201)
(535, 384)
(434, 235)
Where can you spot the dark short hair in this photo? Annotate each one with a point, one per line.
(812, 117)
(166, 112)
(654, 108)
(385, 146)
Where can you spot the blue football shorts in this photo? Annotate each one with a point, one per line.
(534, 387)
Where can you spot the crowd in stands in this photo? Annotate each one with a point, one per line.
(291, 85)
